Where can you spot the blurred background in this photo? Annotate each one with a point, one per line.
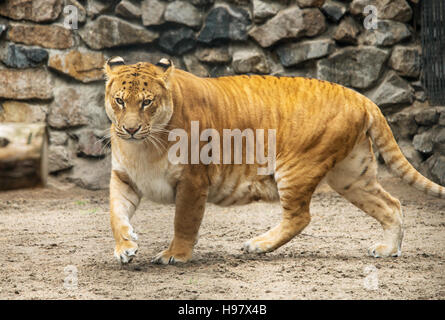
(52, 53)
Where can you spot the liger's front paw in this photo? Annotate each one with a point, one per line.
(381, 250)
(170, 257)
(125, 251)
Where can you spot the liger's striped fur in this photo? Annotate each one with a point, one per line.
(323, 131)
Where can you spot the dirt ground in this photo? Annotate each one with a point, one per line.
(56, 243)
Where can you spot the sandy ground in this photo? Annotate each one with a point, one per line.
(56, 243)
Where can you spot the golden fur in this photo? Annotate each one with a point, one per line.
(323, 130)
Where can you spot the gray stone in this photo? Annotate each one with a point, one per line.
(310, 3)
(442, 118)
(91, 174)
(194, 66)
(59, 159)
(107, 32)
(249, 60)
(439, 140)
(387, 33)
(213, 55)
(31, 10)
(89, 144)
(391, 90)
(436, 166)
(177, 41)
(58, 138)
(347, 31)
(406, 60)
(290, 23)
(183, 13)
(263, 10)
(225, 23)
(26, 84)
(427, 117)
(200, 3)
(97, 7)
(294, 53)
(126, 9)
(24, 57)
(402, 124)
(152, 12)
(353, 67)
(77, 105)
(423, 142)
(398, 10)
(334, 10)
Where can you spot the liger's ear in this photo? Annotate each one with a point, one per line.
(168, 67)
(112, 64)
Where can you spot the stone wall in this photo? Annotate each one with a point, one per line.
(54, 74)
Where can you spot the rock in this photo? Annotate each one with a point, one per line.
(152, 12)
(423, 142)
(201, 3)
(294, 53)
(177, 41)
(89, 144)
(91, 174)
(126, 9)
(263, 10)
(107, 32)
(442, 118)
(15, 111)
(290, 23)
(406, 60)
(97, 7)
(32, 10)
(427, 117)
(402, 124)
(82, 65)
(184, 13)
(23, 57)
(398, 10)
(47, 36)
(25, 84)
(58, 138)
(347, 31)
(310, 3)
(391, 90)
(439, 141)
(411, 154)
(436, 166)
(387, 33)
(77, 105)
(334, 10)
(213, 55)
(249, 60)
(194, 66)
(59, 159)
(353, 67)
(225, 23)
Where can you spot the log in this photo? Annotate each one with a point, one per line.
(23, 155)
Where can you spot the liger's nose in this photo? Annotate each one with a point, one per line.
(132, 130)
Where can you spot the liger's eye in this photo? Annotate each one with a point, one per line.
(120, 101)
(146, 102)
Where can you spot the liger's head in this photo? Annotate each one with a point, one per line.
(138, 99)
